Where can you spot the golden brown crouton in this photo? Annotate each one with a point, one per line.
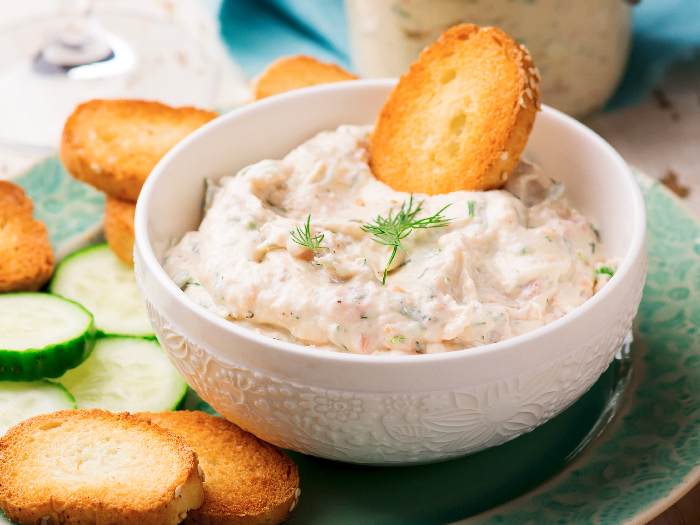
(93, 466)
(119, 228)
(114, 144)
(460, 118)
(293, 72)
(247, 481)
(26, 256)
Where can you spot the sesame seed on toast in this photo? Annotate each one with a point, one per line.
(246, 481)
(119, 228)
(114, 144)
(293, 72)
(461, 116)
(94, 466)
(26, 256)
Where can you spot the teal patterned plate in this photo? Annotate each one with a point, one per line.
(71, 210)
(646, 458)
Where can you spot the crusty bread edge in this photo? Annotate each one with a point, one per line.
(119, 228)
(525, 114)
(260, 83)
(275, 514)
(35, 275)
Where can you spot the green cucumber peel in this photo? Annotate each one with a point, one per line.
(42, 335)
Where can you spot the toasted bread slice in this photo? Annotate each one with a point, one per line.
(26, 256)
(460, 118)
(293, 72)
(93, 466)
(114, 144)
(119, 228)
(247, 481)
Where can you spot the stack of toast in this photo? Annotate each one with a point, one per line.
(113, 145)
(94, 466)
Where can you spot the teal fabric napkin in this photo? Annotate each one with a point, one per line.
(258, 31)
(666, 33)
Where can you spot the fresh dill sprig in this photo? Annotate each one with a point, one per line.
(392, 230)
(304, 238)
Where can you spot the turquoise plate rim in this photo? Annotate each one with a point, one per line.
(667, 354)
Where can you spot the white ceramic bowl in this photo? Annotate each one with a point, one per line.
(384, 409)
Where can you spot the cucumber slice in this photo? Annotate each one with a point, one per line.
(95, 278)
(126, 374)
(42, 335)
(22, 400)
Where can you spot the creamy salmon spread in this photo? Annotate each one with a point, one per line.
(500, 264)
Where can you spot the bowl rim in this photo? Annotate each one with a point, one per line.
(142, 243)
